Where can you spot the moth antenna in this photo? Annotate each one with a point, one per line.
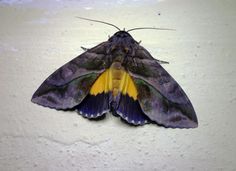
(162, 62)
(149, 28)
(84, 48)
(99, 22)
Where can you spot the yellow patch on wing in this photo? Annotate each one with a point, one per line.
(102, 84)
(110, 81)
(127, 86)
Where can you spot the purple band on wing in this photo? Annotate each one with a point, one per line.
(130, 110)
(94, 106)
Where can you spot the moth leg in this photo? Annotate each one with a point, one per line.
(84, 48)
(162, 62)
(139, 42)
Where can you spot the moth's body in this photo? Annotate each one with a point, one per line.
(120, 45)
(116, 80)
(120, 76)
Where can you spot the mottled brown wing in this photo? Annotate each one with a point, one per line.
(68, 85)
(159, 95)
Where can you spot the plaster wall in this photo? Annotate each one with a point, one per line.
(37, 37)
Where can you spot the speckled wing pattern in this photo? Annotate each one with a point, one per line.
(159, 99)
(160, 96)
(70, 84)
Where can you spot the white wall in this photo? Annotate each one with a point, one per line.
(37, 37)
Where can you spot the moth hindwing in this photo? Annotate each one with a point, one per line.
(119, 76)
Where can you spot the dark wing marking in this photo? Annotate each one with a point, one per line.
(130, 110)
(94, 106)
(160, 96)
(142, 53)
(68, 85)
(162, 110)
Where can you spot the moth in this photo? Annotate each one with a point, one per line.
(118, 76)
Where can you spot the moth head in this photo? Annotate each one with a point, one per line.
(121, 36)
(121, 42)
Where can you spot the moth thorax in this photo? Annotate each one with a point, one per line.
(118, 59)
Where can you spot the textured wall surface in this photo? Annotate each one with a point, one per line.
(37, 37)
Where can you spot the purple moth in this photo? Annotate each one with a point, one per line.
(121, 77)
